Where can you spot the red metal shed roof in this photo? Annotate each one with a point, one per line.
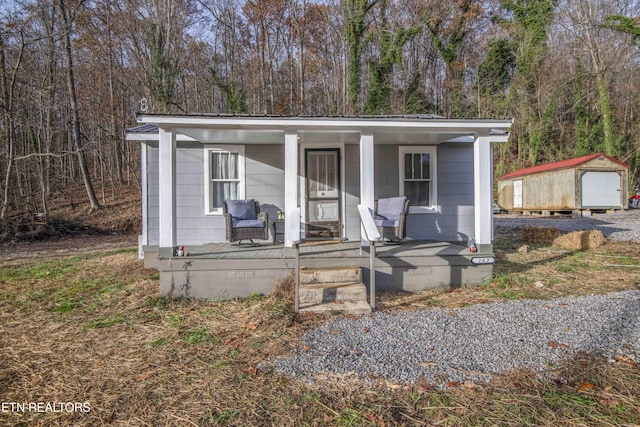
(563, 164)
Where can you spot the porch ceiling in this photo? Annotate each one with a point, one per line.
(269, 136)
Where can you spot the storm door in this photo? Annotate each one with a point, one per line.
(322, 193)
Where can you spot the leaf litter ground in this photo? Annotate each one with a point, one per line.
(90, 327)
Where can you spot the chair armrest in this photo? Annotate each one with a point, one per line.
(228, 226)
(265, 217)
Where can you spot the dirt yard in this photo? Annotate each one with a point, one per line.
(82, 324)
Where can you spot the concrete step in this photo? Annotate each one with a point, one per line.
(351, 307)
(319, 293)
(351, 274)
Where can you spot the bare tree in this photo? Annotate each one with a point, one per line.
(76, 136)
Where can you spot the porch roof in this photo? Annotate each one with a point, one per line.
(292, 131)
(405, 129)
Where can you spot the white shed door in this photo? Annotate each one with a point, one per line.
(600, 189)
(517, 193)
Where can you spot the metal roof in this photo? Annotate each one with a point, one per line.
(563, 164)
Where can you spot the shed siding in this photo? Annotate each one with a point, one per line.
(549, 191)
(505, 193)
(604, 163)
(557, 189)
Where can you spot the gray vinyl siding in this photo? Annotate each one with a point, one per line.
(455, 220)
(264, 166)
(264, 181)
(192, 225)
(386, 176)
(153, 200)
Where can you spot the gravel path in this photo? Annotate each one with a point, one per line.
(473, 344)
(621, 225)
(469, 344)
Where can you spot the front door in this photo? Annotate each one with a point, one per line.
(322, 193)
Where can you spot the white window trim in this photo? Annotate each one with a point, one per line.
(432, 151)
(208, 149)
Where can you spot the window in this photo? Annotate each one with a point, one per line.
(418, 177)
(224, 176)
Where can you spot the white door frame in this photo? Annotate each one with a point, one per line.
(303, 187)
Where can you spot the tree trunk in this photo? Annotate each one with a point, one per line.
(76, 136)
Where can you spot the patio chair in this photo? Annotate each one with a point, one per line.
(244, 221)
(390, 216)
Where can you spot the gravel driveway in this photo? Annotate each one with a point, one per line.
(473, 344)
(621, 226)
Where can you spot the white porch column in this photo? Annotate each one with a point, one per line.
(290, 180)
(167, 189)
(483, 189)
(367, 195)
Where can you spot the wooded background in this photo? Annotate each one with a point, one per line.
(73, 73)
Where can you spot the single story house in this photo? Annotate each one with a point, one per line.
(326, 166)
(592, 182)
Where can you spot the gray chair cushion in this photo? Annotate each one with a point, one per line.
(242, 210)
(386, 222)
(390, 208)
(246, 223)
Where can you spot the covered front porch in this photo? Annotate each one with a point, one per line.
(324, 169)
(223, 270)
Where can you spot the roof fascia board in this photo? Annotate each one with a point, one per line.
(459, 125)
(154, 137)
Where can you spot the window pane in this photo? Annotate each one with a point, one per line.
(408, 162)
(425, 166)
(233, 166)
(224, 165)
(216, 167)
(221, 191)
(417, 192)
(417, 167)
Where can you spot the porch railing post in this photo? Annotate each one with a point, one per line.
(373, 235)
(294, 235)
(297, 291)
(372, 273)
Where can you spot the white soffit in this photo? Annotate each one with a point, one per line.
(269, 130)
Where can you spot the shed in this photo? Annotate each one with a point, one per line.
(591, 182)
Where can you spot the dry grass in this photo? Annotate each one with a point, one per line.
(92, 328)
(580, 240)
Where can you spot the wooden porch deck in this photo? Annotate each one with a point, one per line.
(326, 250)
(223, 269)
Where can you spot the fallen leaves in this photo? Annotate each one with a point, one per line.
(585, 386)
(253, 325)
(427, 364)
(144, 376)
(554, 344)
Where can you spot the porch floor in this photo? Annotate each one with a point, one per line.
(312, 250)
(232, 270)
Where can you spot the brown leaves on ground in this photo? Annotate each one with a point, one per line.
(94, 329)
